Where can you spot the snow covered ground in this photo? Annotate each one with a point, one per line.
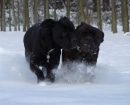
(111, 85)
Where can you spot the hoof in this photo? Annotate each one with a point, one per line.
(40, 79)
(40, 76)
(51, 77)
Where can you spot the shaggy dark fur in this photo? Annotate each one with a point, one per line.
(89, 40)
(43, 43)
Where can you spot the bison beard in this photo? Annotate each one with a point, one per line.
(89, 40)
(43, 43)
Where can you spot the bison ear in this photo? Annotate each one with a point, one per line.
(98, 36)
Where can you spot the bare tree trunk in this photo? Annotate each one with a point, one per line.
(10, 16)
(1, 15)
(18, 22)
(125, 17)
(55, 15)
(26, 16)
(122, 14)
(3, 23)
(114, 22)
(35, 11)
(87, 13)
(82, 14)
(99, 20)
(78, 13)
(3, 20)
(46, 9)
(14, 16)
(68, 9)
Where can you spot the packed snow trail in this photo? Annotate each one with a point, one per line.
(110, 86)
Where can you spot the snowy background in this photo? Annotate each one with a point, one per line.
(110, 86)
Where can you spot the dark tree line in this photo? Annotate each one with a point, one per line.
(15, 14)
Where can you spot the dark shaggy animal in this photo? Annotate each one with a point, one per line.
(43, 43)
(89, 40)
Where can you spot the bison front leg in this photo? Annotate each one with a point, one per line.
(50, 75)
(52, 63)
(35, 68)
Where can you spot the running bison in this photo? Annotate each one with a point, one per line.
(89, 40)
(43, 43)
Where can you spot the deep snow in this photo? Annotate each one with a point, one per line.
(110, 86)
